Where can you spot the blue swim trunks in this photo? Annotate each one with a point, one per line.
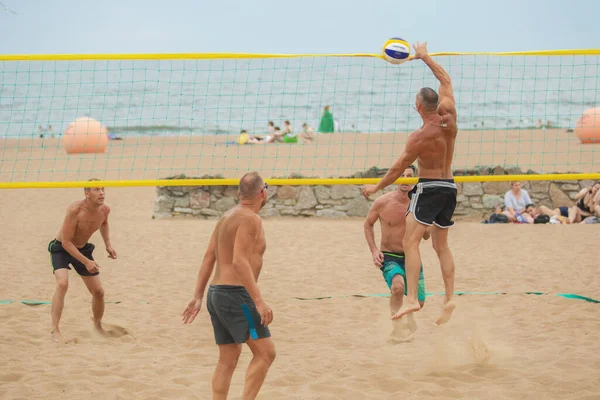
(393, 264)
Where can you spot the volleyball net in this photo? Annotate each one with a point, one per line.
(148, 119)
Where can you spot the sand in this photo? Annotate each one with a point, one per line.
(333, 155)
(512, 346)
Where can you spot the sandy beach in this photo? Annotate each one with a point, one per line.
(332, 155)
(516, 345)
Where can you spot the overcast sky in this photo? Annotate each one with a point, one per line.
(284, 26)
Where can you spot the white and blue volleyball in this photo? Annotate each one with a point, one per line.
(396, 51)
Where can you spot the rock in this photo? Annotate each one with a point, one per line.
(331, 202)
(269, 212)
(330, 214)
(224, 204)
(476, 205)
(586, 184)
(271, 191)
(209, 212)
(344, 192)
(513, 171)
(461, 211)
(199, 199)
(289, 202)
(183, 202)
(460, 198)
(309, 213)
(289, 211)
(572, 195)
(495, 187)
(359, 207)
(569, 186)
(306, 199)
(230, 191)
(163, 204)
(472, 188)
(183, 210)
(475, 199)
(498, 170)
(559, 198)
(540, 186)
(322, 193)
(287, 192)
(179, 190)
(492, 200)
(319, 207)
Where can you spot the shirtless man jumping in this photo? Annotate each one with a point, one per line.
(433, 199)
(237, 310)
(83, 218)
(390, 209)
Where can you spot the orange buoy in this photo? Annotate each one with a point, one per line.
(85, 135)
(588, 126)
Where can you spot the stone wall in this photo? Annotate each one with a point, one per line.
(476, 200)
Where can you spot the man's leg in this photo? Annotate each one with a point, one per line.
(397, 295)
(439, 236)
(547, 211)
(229, 355)
(263, 355)
(95, 287)
(58, 301)
(412, 239)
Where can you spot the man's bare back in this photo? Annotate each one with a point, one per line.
(434, 143)
(87, 222)
(237, 310)
(225, 233)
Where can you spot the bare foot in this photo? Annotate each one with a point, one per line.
(56, 336)
(99, 329)
(446, 313)
(407, 308)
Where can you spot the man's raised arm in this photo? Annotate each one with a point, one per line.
(446, 94)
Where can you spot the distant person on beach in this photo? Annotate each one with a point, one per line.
(390, 209)
(433, 199)
(308, 133)
(585, 204)
(237, 309)
(83, 218)
(288, 133)
(326, 125)
(515, 202)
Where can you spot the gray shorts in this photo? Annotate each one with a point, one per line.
(233, 314)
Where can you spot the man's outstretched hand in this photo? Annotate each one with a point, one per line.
(420, 50)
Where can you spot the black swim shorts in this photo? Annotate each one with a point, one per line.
(60, 258)
(433, 201)
(233, 314)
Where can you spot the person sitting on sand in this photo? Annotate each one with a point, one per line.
(288, 133)
(244, 138)
(308, 135)
(585, 205)
(515, 202)
(277, 136)
(562, 211)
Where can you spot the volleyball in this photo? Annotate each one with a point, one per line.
(396, 51)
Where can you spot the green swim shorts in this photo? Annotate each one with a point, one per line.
(393, 264)
(290, 139)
